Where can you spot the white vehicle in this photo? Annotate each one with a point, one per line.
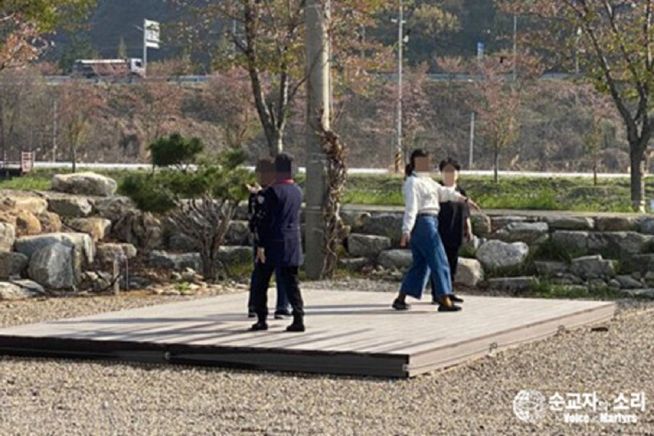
(108, 68)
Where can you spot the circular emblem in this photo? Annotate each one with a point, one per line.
(529, 405)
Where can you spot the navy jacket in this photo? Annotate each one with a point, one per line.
(278, 224)
(451, 221)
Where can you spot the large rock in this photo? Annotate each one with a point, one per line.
(551, 269)
(174, 261)
(238, 233)
(181, 243)
(353, 263)
(108, 252)
(20, 290)
(395, 259)
(646, 225)
(495, 254)
(55, 266)
(501, 221)
(619, 244)
(235, 255)
(570, 222)
(70, 206)
(593, 267)
(641, 263)
(27, 224)
(512, 284)
(369, 246)
(114, 208)
(50, 222)
(7, 236)
(628, 282)
(84, 184)
(12, 264)
(481, 224)
(383, 224)
(574, 242)
(22, 200)
(97, 228)
(616, 223)
(28, 245)
(141, 229)
(469, 272)
(523, 232)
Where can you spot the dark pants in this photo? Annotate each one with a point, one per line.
(452, 253)
(288, 277)
(282, 300)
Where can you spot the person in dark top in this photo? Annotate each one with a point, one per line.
(265, 172)
(279, 244)
(454, 223)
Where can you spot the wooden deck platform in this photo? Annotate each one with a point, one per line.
(353, 333)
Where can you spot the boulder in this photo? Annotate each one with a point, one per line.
(523, 231)
(7, 236)
(369, 246)
(628, 282)
(234, 255)
(551, 269)
(619, 244)
(640, 263)
(28, 245)
(55, 266)
(382, 224)
(567, 279)
(616, 223)
(22, 200)
(641, 293)
(50, 222)
(107, 252)
(501, 221)
(12, 264)
(97, 228)
(395, 259)
(114, 208)
(353, 264)
(575, 242)
(570, 223)
(20, 290)
(646, 225)
(495, 254)
(238, 233)
(141, 229)
(86, 183)
(181, 243)
(481, 224)
(591, 267)
(96, 281)
(469, 272)
(27, 224)
(70, 206)
(174, 261)
(512, 284)
(353, 217)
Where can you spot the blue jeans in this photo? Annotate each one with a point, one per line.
(282, 297)
(429, 260)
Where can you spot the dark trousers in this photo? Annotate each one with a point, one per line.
(288, 276)
(452, 253)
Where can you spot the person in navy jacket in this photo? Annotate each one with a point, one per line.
(279, 244)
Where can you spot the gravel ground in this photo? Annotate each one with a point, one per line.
(39, 396)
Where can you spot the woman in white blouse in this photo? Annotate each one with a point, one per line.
(422, 197)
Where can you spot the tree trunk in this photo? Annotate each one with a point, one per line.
(595, 172)
(496, 165)
(637, 155)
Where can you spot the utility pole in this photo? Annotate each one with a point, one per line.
(55, 116)
(515, 47)
(472, 140)
(399, 155)
(317, 13)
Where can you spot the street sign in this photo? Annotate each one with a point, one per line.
(152, 34)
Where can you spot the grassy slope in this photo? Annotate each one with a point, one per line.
(520, 193)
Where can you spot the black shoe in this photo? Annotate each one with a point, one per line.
(259, 326)
(456, 299)
(281, 314)
(400, 305)
(296, 326)
(251, 314)
(452, 308)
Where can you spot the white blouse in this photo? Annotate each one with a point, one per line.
(423, 195)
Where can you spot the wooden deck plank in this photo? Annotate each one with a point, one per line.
(347, 333)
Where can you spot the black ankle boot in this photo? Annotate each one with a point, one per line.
(260, 325)
(297, 325)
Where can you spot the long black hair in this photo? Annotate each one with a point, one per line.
(411, 166)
